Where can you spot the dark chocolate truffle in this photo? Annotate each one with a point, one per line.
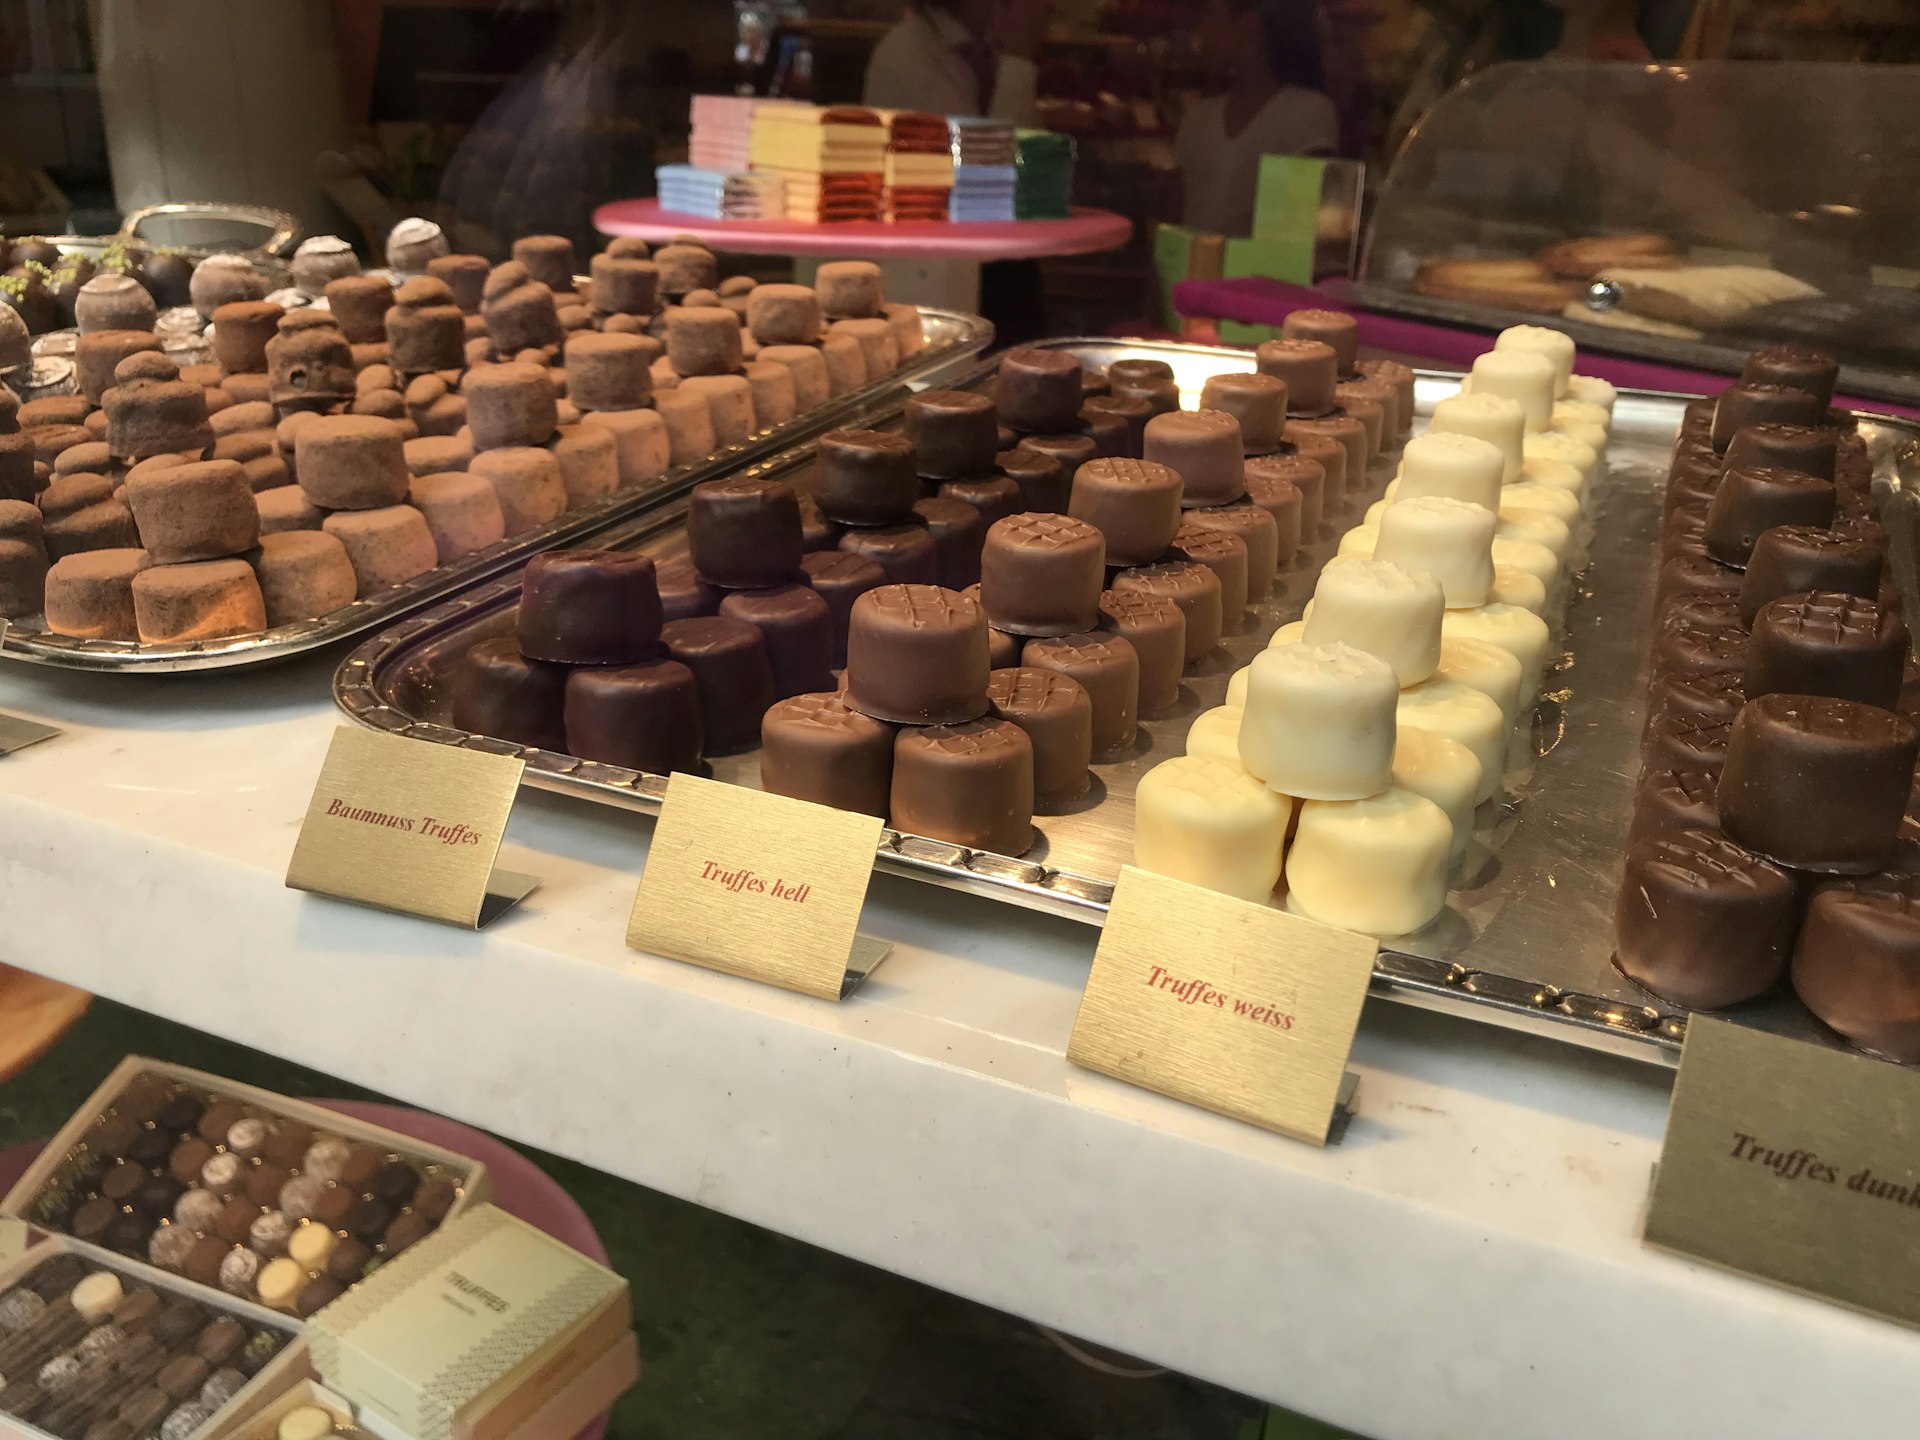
(1269, 480)
(1045, 483)
(1827, 644)
(1797, 366)
(1702, 922)
(728, 659)
(954, 433)
(1857, 964)
(1204, 448)
(1784, 447)
(1796, 559)
(1192, 587)
(841, 578)
(1667, 799)
(744, 533)
(1038, 390)
(866, 477)
(1223, 552)
(958, 533)
(968, 784)
(905, 552)
(917, 655)
(994, 496)
(1258, 402)
(1131, 410)
(590, 607)
(814, 747)
(498, 691)
(643, 717)
(1747, 403)
(1748, 502)
(798, 629)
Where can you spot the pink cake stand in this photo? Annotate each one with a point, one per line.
(520, 1187)
(1085, 233)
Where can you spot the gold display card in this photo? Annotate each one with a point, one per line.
(14, 1238)
(1238, 1008)
(17, 732)
(404, 826)
(758, 885)
(1794, 1163)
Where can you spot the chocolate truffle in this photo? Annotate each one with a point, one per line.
(917, 655)
(498, 691)
(1192, 587)
(1254, 526)
(205, 600)
(1106, 667)
(1156, 628)
(808, 368)
(703, 340)
(1038, 390)
(1827, 644)
(528, 483)
(98, 355)
(1351, 437)
(519, 311)
(1223, 552)
(510, 404)
(1702, 922)
(969, 784)
(1143, 379)
(644, 717)
(590, 607)
(878, 349)
(386, 547)
(548, 258)
(866, 477)
(1746, 403)
(1816, 783)
(1109, 433)
(1686, 740)
(954, 434)
(303, 574)
(462, 512)
(113, 302)
(775, 400)
(426, 329)
(729, 662)
(1796, 559)
(813, 747)
(1784, 447)
(608, 372)
(1042, 574)
(1333, 328)
(351, 462)
(1131, 410)
(1367, 402)
(905, 553)
(1857, 963)
(1748, 502)
(685, 268)
(1294, 483)
(1134, 504)
(1308, 366)
(1668, 799)
(744, 533)
(840, 578)
(1054, 711)
(1204, 448)
(1258, 402)
(958, 534)
(1045, 483)
(798, 630)
(784, 315)
(90, 595)
(1796, 366)
(849, 289)
(1072, 451)
(846, 363)
(149, 415)
(994, 496)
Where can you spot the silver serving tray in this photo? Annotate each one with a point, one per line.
(954, 342)
(1526, 938)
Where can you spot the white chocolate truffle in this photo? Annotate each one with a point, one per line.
(1555, 500)
(1215, 733)
(1461, 713)
(1294, 632)
(1519, 375)
(1536, 560)
(1555, 345)
(1319, 721)
(412, 243)
(1552, 445)
(1237, 694)
(1381, 608)
(1450, 540)
(1592, 436)
(1461, 467)
(1538, 528)
(1582, 412)
(1209, 823)
(1594, 391)
(1377, 865)
(1521, 633)
(1359, 541)
(309, 1422)
(96, 1295)
(1483, 667)
(1444, 771)
(1557, 475)
(1499, 421)
(1513, 586)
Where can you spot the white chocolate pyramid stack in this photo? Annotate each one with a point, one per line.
(1385, 716)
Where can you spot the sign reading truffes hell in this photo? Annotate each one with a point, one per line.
(746, 882)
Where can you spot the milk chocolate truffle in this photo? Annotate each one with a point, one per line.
(98, 355)
(1795, 559)
(814, 747)
(798, 630)
(1046, 485)
(969, 784)
(1785, 447)
(1816, 783)
(840, 578)
(1042, 574)
(1796, 366)
(703, 340)
(1149, 380)
(1258, 402)
(1702, 922)
(728, 659)
(1106, 667)
(1309, 368)
(744, 533)
(1038, 390)
(194, 512)
(1350, 436)
(808, 368)
(1400, 379)
(590, 607)
(644, 717)
(917, 655)
(205, 600)
(1156, 628)
(1747, 403)
(1194, 588)
(1072, 451)
(1223, 552)
(1253, 525)
(958, 533)
(1748, 502)
(906, 553)
(90, 596)
(1291, 488)
(1204, 448)
(1857, 963)
(1134, 504)
(1057, 716)
(954, 434)
(519, 311)
(510, 404)
(866, 477)
(1827, 644)
(1108, 432)
(387, 547)
(1130, 410)
(994, 496)
(1333, 328)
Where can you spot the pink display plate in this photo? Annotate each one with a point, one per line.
(1087, 232)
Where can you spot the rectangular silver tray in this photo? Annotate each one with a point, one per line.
(954, 342)
(1526, 939)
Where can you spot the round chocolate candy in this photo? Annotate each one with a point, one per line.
(994, 496)
(1106, 667)
(1042, 575)
(498, 691)
(1747, 403)
(1702, 922)
(1072, 451)
(917, 655)
(363, 1162)
(1108, 433)
(1309, 437)
(1674, 800)
(1203, 447)
(1193, 588)
(1131, 410)
(1038, 390)
(1258, 402)
(1718, 694)
(1334, 328)
(1134, 504)
(955, 434)
(644, 717)
(1254, 525)
(683, 594)
(1797, 559)
(1857, 963)
(905, 553)
(1057, 715)
(815, 747)
(349, 1261)
(317, 1294)
(744, 533)
(1044, 482)
(1816, 783)
(797, 627)
(1797, 366)
(180, 1113)
(1292, 484)
(1223, 552)
(1150, 380)
(1784, 447)
(1156, 628)
(367, 1219)
(405, 1232)
(1827, 644)
(435, 1197)
(958, 533)
(287, 1144)
(969, 784)
(1309, 367)
(1748, 502)
(590, 607)
(1687, 740)
(1690, 644)
(865, 477)
(840, 577)
(728, 659)
(150, 1147)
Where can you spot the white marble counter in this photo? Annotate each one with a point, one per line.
(1466, 1263)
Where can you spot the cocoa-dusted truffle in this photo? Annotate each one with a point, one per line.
(703, 340)
(624, 286)
(462, 512)
(319, 260)
(426, 330)
(1702, 922)
(221, 279)
(303, 575)
(784, 315)
(351, 462)
(510, 404)
(878, 348)
(729, 400)
(798, 630)
(1204, 448)
(241, 330)
(969, 784)
(204, 600)
(415, 243)
(528, 484)
(808, 366)
(775, 400)
(608, 372)
(90, 595)
(1038, 390)
(589, 461)
(150, 415)
(849, 289)
(1042, 574)
(917, 654)
(814, 747)
(644, 717)
(194, 512)
(98, 355)
(846, 364)
(387, 547)
(686, 268)
(549, 259)
(309, 367)
(114, 302)
(519, 311)
(359, 304)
